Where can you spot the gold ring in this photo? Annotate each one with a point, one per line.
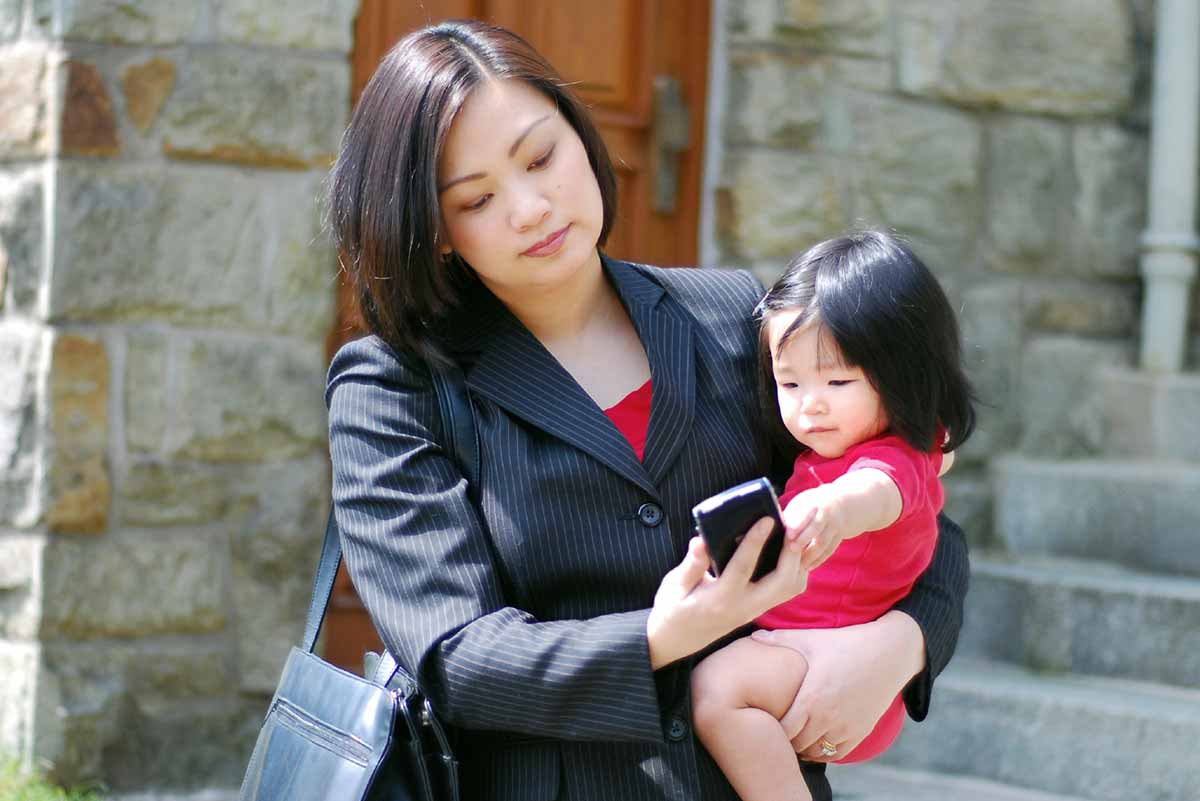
(828, 749)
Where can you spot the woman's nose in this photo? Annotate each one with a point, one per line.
(530, 207)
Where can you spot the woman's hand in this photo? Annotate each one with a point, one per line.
(854, 673)
(692, 608)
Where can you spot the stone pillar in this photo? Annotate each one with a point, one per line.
(1170, 243)
(165, 293)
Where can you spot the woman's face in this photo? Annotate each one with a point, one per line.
(520, 202)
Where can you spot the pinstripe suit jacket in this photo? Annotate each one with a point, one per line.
(524, 613)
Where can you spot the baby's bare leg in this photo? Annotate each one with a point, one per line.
(738, 696)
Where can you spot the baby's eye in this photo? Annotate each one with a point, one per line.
(543, 160)
(788, 384)
(478, 204)
(841, 382)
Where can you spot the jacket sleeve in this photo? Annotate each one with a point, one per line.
(936, 604)
(420, 559)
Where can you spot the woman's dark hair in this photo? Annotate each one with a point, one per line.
(889, 317)
(384, 210)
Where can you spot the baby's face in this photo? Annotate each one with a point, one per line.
(827, 405)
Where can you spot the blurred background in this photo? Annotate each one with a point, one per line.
(169, 303)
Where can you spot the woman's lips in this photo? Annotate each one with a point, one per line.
(550, 245)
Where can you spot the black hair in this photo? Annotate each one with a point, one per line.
(889, 316)
(384, 208)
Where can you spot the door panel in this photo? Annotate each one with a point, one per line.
(611, 50)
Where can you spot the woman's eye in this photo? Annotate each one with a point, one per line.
(542, 161)
(841, 382)
(478, 204)
(788, 384)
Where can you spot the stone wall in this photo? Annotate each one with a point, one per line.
(165, 294)
(1007, 140)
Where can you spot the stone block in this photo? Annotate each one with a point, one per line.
(119, 21)
(1137, 513)
(79, 475)
(776, 98)
(154, 243)
(969, 503)
(1134, 414)
(23, 372)
(1109, 205)
(19, 663)
(10, 19)
(146, 87)
(245, 400)
(1085, 618)
(257, 109)
(20, 608)
(272, 535)
(993, 332)
(327, 25)
(1082, 307)
(776, 204)
(22, 259)
(1070, 57)
(913, 168)
(1056, 734)
(147, 390)
(860, 27)
(185, 747)
(1056, 387)
(301, 263)
(1027, 187)
(24, 95)
(158, 493)
(197, 246)
(126, 586)
(89, 127)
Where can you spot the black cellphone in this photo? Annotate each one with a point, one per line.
(724, 518)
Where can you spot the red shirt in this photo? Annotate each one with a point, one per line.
(631, 416)
(868, 574)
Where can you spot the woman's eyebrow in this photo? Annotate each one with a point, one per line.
(512, 151)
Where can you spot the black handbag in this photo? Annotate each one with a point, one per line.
(330, 735)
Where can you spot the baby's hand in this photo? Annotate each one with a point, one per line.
(816, 521)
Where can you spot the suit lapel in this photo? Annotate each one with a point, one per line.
(666, 333)
(515, 371)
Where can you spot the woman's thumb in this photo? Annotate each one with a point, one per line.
(764, 636)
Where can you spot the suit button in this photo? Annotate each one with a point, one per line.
(677, 730)
(650, 514)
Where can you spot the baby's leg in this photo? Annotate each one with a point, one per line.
(738, 696)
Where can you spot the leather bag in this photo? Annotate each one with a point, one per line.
(330, 735)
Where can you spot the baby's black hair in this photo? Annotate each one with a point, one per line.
(889, 316)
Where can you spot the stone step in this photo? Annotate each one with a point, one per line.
(1083, 617)
(1143, 514)
(874, 782)
(1100, 739)
(1137, 415)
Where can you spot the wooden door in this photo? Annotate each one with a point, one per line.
(635, 63)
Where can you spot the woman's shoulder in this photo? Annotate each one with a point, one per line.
(706, 286)
(369, 361)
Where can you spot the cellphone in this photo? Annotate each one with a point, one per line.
(724, 518)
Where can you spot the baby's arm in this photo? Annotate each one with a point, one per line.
(865, 499)
(738, 695)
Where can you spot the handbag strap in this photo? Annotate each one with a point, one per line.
(459, 424)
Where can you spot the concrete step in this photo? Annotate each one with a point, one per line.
(1136, 415)
(1084, 617)
(873, 782)
(1101, 739)
(1136, 513)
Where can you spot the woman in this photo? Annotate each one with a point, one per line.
(553, 611)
